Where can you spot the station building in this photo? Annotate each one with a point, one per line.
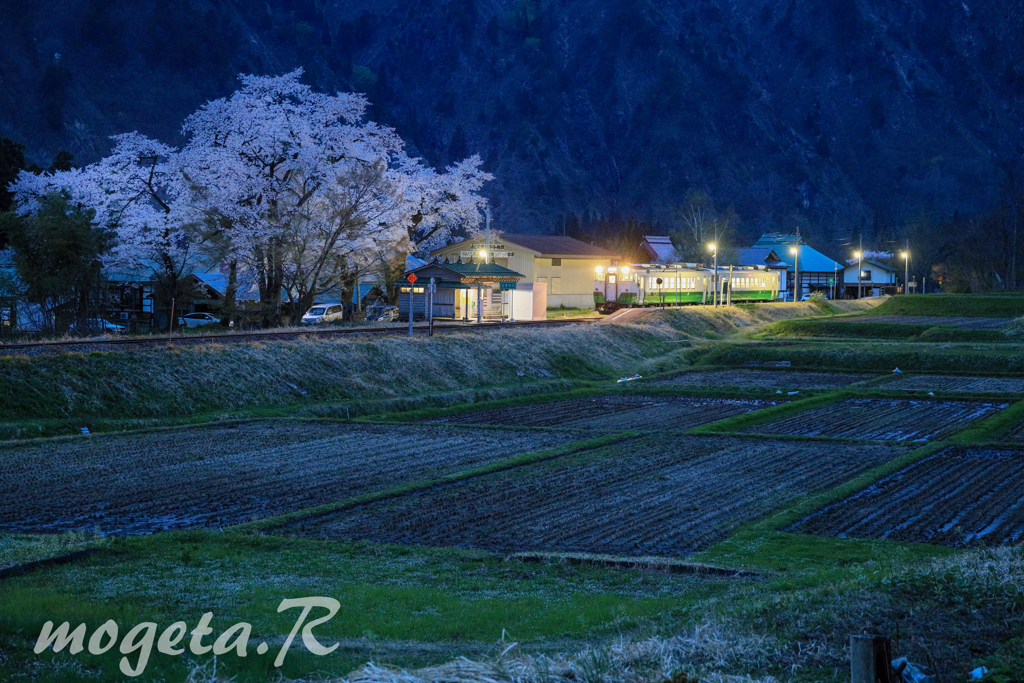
(562, 266)
(468, 291)
(787, 253)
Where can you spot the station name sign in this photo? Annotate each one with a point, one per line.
(496, 251)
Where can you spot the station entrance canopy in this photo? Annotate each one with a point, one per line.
(459, 286)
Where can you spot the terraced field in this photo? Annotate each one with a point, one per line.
(884, 420)
(212, 477)
(648, 496)
(954, 497)
(996, 385)
(615, 412)
(769, 379)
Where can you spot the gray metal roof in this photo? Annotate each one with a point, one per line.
(555, 245)
(551, 246)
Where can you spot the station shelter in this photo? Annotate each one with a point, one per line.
(470, 291)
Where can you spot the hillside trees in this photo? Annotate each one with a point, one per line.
(290, 186)
(701, 225)
(57, 251)
(137, 194)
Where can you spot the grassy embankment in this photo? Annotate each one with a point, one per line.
(58, 394)
(937, 305)
(954, 305)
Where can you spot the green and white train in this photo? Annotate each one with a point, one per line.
(647, 284)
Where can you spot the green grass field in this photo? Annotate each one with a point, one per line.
(954, 305)
(887, 331)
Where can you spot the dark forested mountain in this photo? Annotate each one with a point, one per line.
(837, 115)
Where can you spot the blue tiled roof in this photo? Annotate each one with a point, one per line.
(811, 260)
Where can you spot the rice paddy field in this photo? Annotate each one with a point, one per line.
(884, 420)
(955, 497)
(954, 383)
(498, 507)
(648, 496)
(219, 476)
(767, 379)
(616, 412)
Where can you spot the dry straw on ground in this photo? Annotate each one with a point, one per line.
(699, 654)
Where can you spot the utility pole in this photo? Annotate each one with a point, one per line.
(488, 228)
(1013, 252)
(860, 255)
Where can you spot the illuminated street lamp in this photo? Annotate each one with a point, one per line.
(483, 255)
(796, 273)
(906, 271)
(714, 249)
(859, 271)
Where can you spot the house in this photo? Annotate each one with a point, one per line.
(563, 265)
(876, 279)
(467, 291)
(817, 272)
(660, 249)
(9, 291)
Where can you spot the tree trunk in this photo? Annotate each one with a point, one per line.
(347, 290)
(392, 275)
(230, 306)
(271, 281)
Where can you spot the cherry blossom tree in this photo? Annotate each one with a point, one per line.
(307, 187)
(291, 186)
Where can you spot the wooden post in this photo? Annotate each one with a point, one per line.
(870, 658)
(170, 322)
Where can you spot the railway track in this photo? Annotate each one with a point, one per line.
(139, 343)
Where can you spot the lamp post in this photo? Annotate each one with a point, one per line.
(796, 273)
(906, 272)
(859, 271)
(714, 249)
(480, 293)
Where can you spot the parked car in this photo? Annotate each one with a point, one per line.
(99, 326)
(199, 319)
(381, 312)
(324, 313)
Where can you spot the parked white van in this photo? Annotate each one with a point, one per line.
(323, 313)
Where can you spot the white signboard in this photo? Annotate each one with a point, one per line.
(494, 253)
